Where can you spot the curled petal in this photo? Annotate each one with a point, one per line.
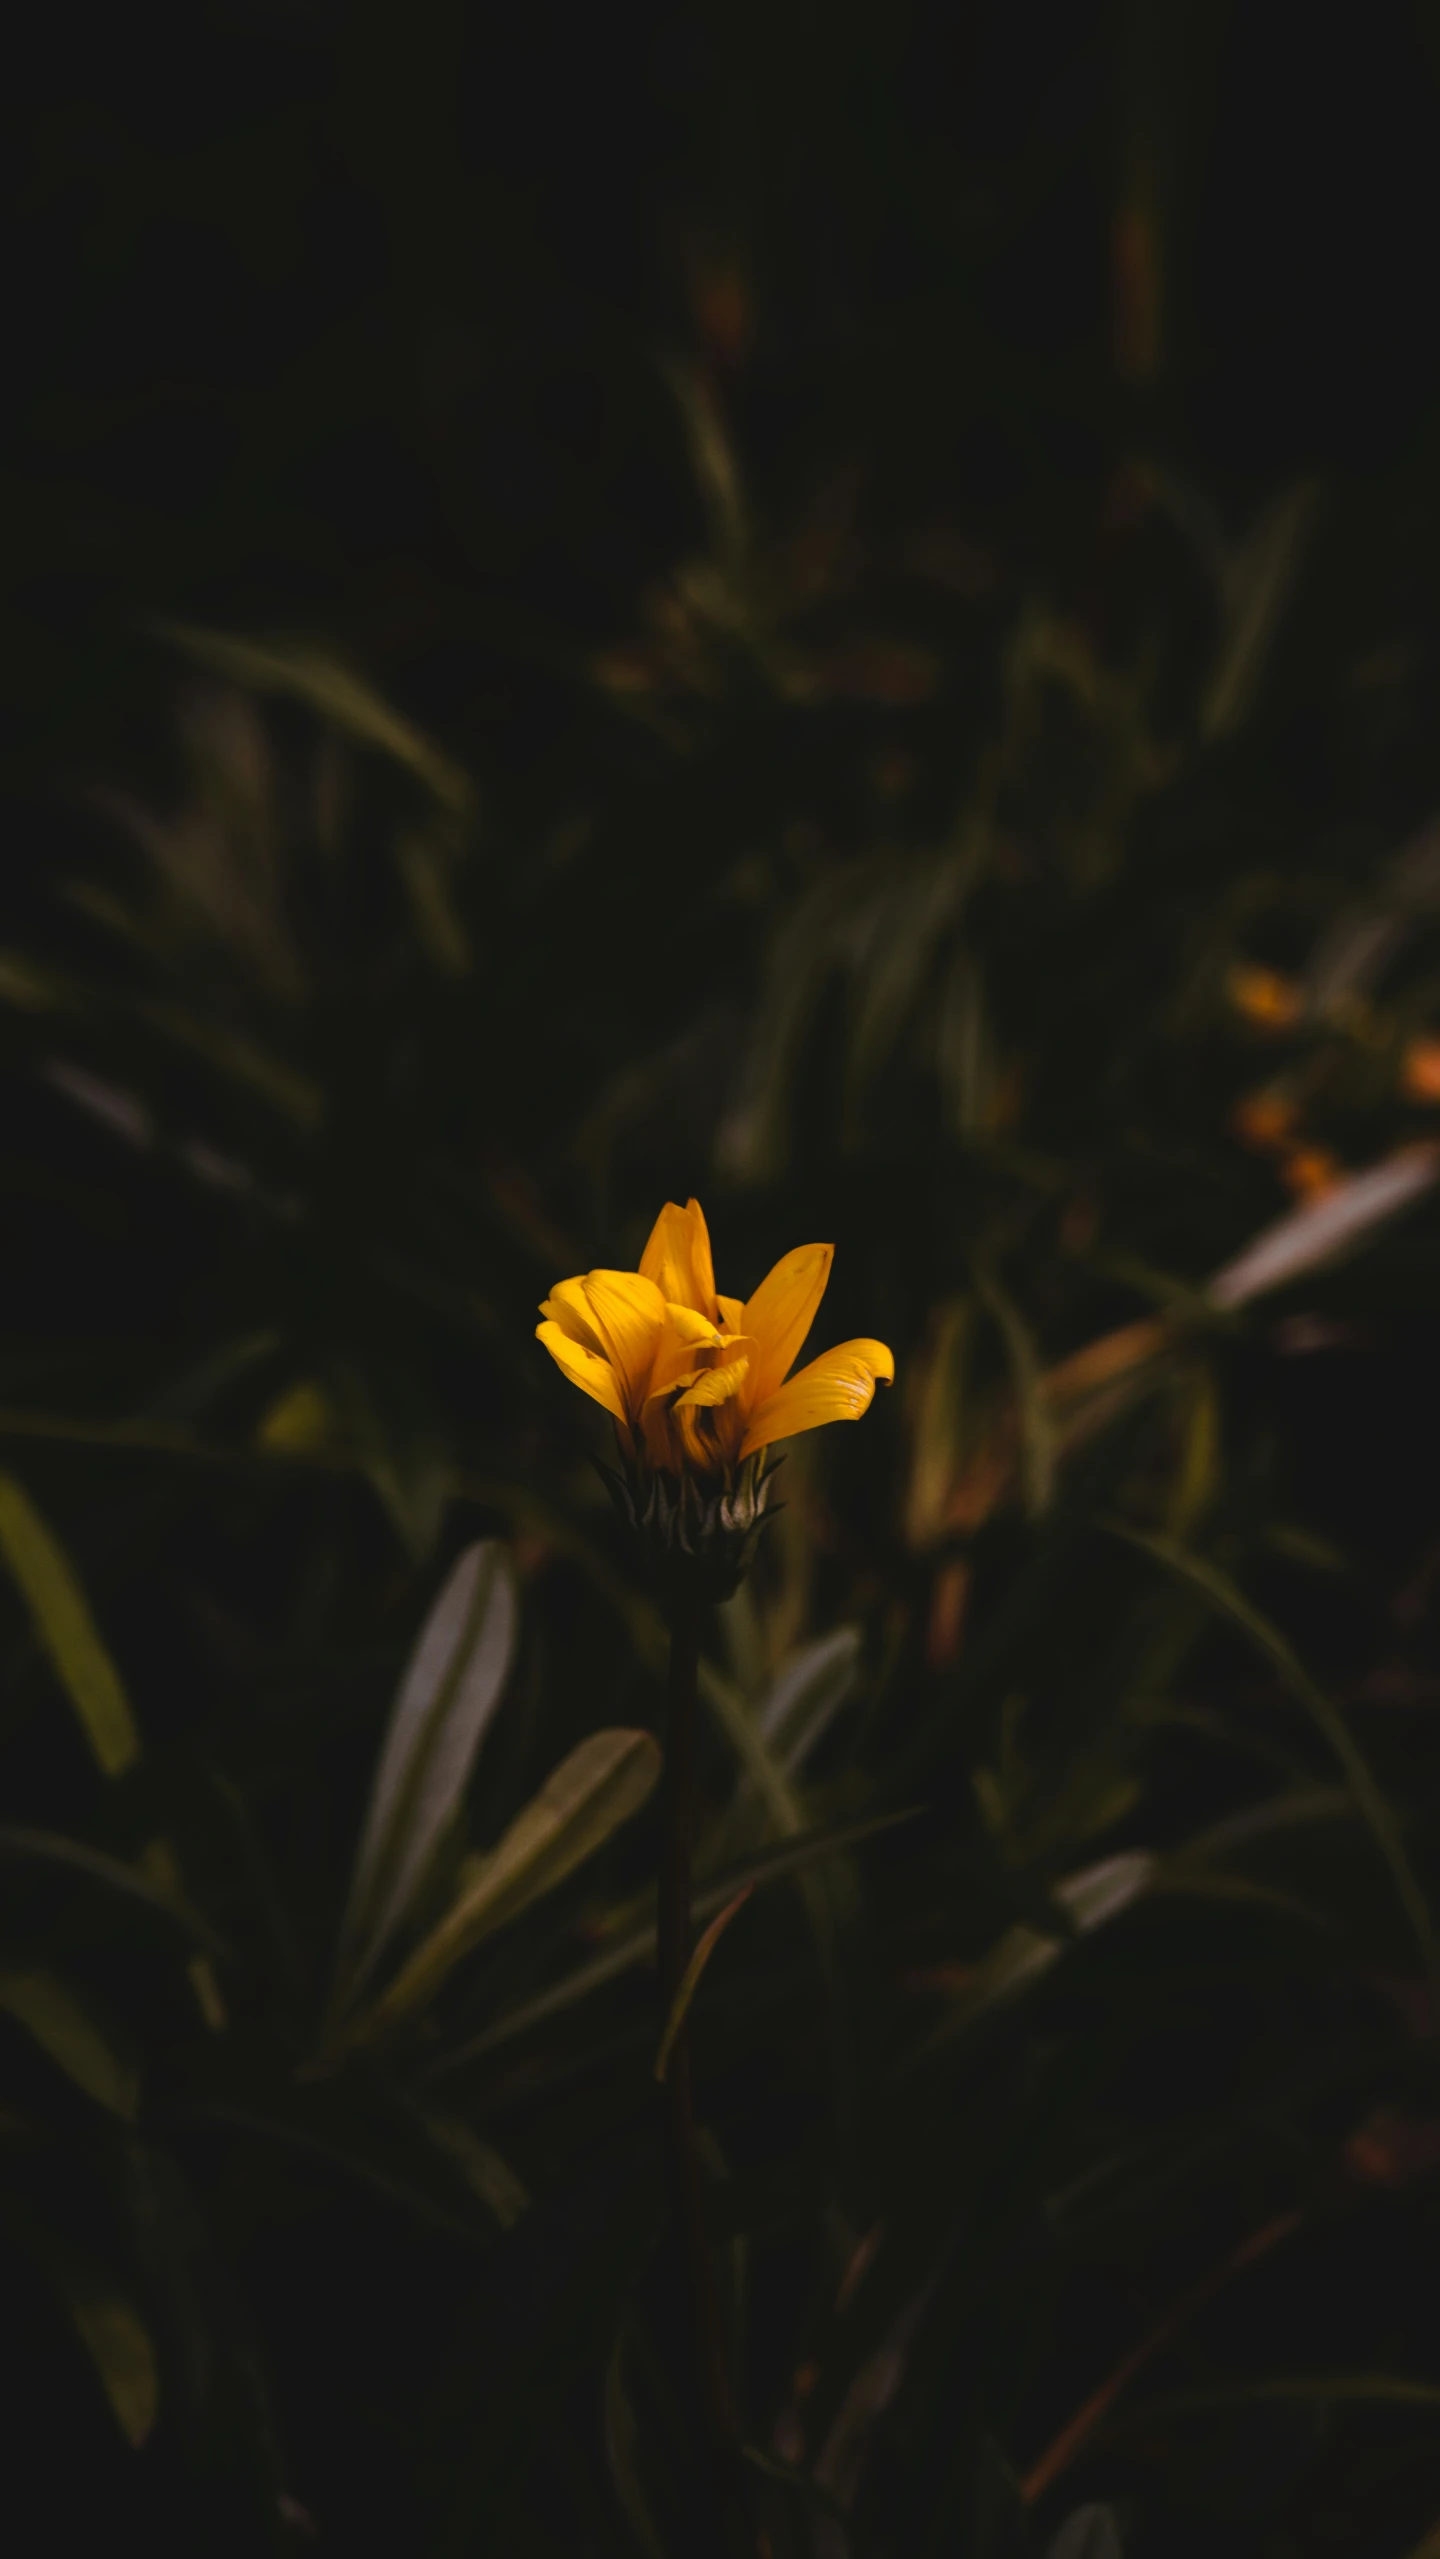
(732, 1313)
(628, 1313)
(593, 1375)
(684, 1357)
(678, 1259)
(566, 1306)
(690, 1326)
(715, 1385)
(679, 1353)
(837, 1387)
(781, 1313)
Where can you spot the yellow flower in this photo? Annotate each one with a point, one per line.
(695, 1382)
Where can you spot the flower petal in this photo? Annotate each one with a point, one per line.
(715, 1385)
(837, 1387)
(594, 1376)
(678, 1352)
(732, 1309)
(678, 1259)
(566, 1307)
(628, 1314)
(781, 1313)
(688, 1325)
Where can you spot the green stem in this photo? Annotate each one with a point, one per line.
(704, 2341)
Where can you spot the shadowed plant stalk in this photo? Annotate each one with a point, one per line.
(697, 2300)
(700, 1388)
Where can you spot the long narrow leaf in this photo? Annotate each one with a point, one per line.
(1037, 1429)
(49, 2011)
(62, 1620)
(1377, 2389)
(103, 2316)
(680, 2006)
(50, 1848)
(1229, 1601)
(302, 673)
(119, 2346)
(1023, 1956)
(639, 1946)
(1090, 2533)
(602, 1783)
(449, 1694)
(807, 1692)
(1308, 1237)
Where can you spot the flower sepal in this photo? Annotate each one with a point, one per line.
(696, 1539)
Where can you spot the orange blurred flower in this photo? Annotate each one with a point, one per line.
(1420, 1070)
(724, 313)
(1270, 1001)
(1311, 1171)
(1265, 1119)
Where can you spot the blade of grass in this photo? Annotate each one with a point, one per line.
(1076, 2433)
(61, 1616)
(1229, 1602)
(1037, 1430)
(639, 1946)
(51, 2014)
(1379, 2389)
(690, 1979)
(50, 1848)
(605, 1780)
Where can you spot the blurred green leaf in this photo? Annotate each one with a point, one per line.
(637, 1946)
(63, 1622)
(452, 1686)
(1090, 2533)
(106, 2321)
(806, 1694)
(48, 2009)
(485, 2172)
(73, 1856)
(603, 1783)
(119, 2346)
(1379, 2389)
(1321, 1230)
(240, 1060)
(1024, 1955)
(1037, 1431)
(1229, 1601)
(325, 685)
(1255, 581)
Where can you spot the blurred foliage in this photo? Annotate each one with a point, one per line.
(848, 685)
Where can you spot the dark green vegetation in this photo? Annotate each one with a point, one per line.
(849, 626)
